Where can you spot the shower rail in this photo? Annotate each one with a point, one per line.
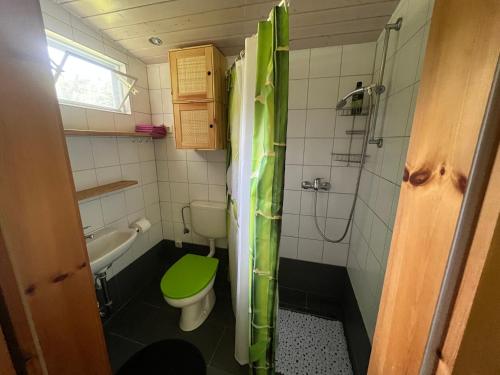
(379, 87)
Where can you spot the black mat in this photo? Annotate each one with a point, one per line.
(166, 357)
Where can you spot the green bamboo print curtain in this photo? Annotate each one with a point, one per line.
(266, 194)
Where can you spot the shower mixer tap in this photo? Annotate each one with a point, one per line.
(316, 185)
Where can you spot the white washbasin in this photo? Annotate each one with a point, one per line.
(107, 246)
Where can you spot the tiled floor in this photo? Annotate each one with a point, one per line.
(148, 318)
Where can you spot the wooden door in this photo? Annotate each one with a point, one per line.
(195, 126)
(459, 65)
(47, 297)
(192, 73)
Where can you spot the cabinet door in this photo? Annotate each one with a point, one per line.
(195, 125)
(192, 74)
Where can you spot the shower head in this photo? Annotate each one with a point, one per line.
(378, 89)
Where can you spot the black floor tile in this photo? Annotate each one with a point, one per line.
(292, 297)
(215, 371)
(222, 313)
(224, 355)
(144, 323)
(324, 306)
(120, 350)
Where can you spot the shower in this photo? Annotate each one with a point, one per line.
(372, 90)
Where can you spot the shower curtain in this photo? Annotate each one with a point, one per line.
(267, 178)
(258, 106)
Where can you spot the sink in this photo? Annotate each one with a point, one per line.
(107, 246)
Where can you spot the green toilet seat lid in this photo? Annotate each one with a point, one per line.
(188, 276)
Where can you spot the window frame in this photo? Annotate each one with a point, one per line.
(74, 49)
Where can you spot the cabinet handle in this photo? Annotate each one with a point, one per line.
(209, 72)
(211, 126)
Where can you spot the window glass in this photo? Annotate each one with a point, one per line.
(87, 78)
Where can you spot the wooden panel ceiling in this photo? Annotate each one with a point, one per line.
(226, 23)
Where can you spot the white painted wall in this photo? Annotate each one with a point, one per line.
(382, 175)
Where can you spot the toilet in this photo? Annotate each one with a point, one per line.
(188, 283)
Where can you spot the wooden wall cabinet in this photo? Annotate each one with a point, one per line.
(199, 97)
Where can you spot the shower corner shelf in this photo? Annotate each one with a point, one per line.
(347, 111)
(346, 157)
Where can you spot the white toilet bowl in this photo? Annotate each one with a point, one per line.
(195, 309)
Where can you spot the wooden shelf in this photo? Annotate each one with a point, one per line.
(103, 189)
(104, 133)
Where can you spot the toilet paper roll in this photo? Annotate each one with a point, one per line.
(141, 225)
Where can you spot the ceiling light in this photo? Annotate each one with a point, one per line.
(155, 41)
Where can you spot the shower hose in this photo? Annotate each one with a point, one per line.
(353, 206)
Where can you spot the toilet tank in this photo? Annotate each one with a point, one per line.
(208, 218)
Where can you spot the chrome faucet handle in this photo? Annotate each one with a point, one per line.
(307, 185)
(319, 185)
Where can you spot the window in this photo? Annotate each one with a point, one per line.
(86, 78)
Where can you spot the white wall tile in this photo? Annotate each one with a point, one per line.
(217, 193)
(91, 215)
(73, 117)
(150, 192)
(146, 150)
(216, 173)
(80, 153)
(307, 203)
(322, 92)
(307, 227)
(296, 123)
(148, 172)
(318, 151)
(197, 172)
(377, 238)
(105, 151)
(177, 171)
(291, 201)
(131, 172)
(339, 205)
(396, 113)
(290, 225)
(153, 76)
(100, 120)
(172, 152)
(297, 94)
(320, 123)
(153, 213)
(288, 247)
(335, 228)
(156, 101)
(299, 64)
(293, 177)
(113, 207)
(198, 192)
(179, 192)
(344, 179)
(312, 172)
(294, 151)
(335, 253)
(134, 200)
(384, 199)
(393, 148)
(107, 175)
(164, 191)
(84, 179)
(310, 250)
(165, 76)
(127, 150)
(325, 62)
(358, 58)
